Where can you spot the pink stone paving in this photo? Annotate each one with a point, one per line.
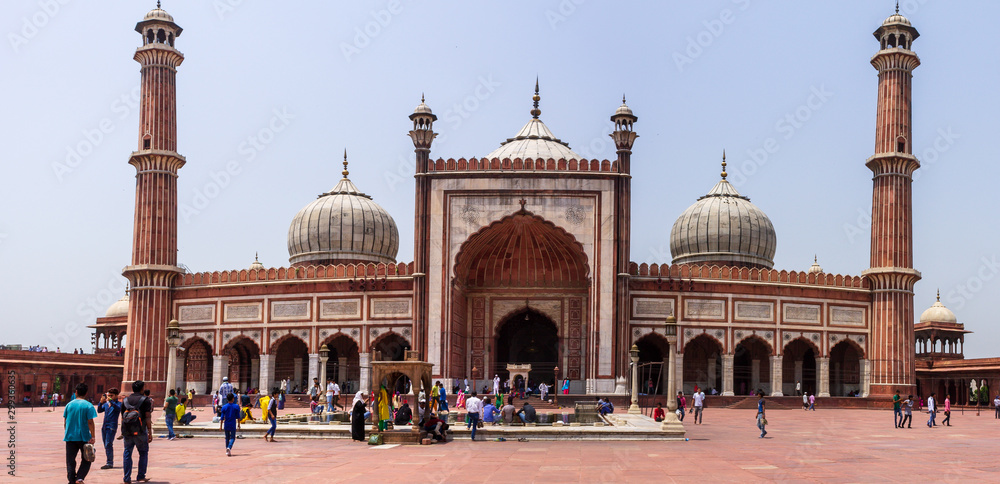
(820, 446)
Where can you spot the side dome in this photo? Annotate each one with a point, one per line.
(938, 313)
(119, 309)
(723, 228)
(342, 226)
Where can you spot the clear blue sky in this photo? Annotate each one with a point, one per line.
(701, 77)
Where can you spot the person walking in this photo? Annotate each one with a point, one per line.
(699, 406)
(443, 397)
(336, 396)
(496, 384)
(681, 405)
(812, 402)
(474, 407)
(805, 401)
(78, 431)
(329, 394)
(358, 417)
(111, 407)
(271, 415)
(897, 412)
(907, 417)
(169, 413)
(230, 422)
(225, 389)
(947, 411)
(761, 417)
(996, 405)
(137, 430)
(543, 391)
(931, 409)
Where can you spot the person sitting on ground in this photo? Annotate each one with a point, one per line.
(490, 411)
(528, 414)
(314, 406)
(508, 411)
(403, 414)
(423, 412)
(604, 407)
(183, 416)
(658, 413)
(436, 428)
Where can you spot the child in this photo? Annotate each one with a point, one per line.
(230, 422)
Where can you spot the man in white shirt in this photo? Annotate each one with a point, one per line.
(474, 406)
(336, 394)
(329, 394)
(543, 390)
(931, 408)
(699, 405)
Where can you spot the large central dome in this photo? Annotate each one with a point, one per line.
(342, 226)
(723, 228)
(534, 141)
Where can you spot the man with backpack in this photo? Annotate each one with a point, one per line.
(137, 430)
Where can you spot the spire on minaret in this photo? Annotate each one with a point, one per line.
(345, 172)
(536, 112)
(724, 174)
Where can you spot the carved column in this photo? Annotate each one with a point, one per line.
(266, 373)
(220, 368)
(824, 377)
(777, 379)
(364, 359)
(866, 372)
(679, 372)
(727, 375)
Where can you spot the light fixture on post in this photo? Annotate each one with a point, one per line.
(173, 341)
(475, 372)
(671, 424)
(556, 387)
(634, 354)
(324, 356)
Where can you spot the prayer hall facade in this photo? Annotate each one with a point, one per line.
(522, 256)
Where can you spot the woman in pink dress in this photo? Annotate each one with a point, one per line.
(460, 401)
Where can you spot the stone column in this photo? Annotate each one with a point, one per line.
(824, 377)
(220, 368)
(798, 375)
(712, 381)
(342, 370)
(255, 374)
(777, 379)
(297, 375)
(322, 374)
(179, 378)
(866, 372)
(671, 424)
(727, 375)
(266, 373)
(754, 375)
(314, 369)
(364, 360)
(679, 373)
(171, 370)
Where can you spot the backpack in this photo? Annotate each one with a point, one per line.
(132, 424)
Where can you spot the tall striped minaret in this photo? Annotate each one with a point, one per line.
(154, 243)
(891, 274)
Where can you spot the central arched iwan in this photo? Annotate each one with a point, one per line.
(522, 250)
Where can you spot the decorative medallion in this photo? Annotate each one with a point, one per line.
(470, 214)
(576, 215)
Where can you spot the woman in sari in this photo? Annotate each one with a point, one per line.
(358, 417)
(565, 387)
(460, 401)
(384, 413)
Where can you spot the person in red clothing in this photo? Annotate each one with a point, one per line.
(658, 414)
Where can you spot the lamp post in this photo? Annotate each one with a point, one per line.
(475, 371)
(324, 356)
(556, 388)
(173, 341)
(634, 354)
(671, 423)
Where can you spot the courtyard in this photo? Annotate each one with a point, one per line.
(822, 446)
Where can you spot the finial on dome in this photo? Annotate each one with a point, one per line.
(255, 259)
(345, 172)
(815, 259)
(421, 97)
(897, 6)
(724, 174)
(158, 5)
(536, 112)
(939, 290)
(623, 98)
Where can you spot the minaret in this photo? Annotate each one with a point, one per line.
(154, 243)
(624, 137)
(891, 275)
(422, 135)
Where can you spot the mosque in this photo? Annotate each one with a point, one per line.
(522, 256)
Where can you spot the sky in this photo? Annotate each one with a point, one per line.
(277, 90)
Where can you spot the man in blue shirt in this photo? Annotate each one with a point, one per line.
(111, 408)
(230, 422)
(78, 423)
